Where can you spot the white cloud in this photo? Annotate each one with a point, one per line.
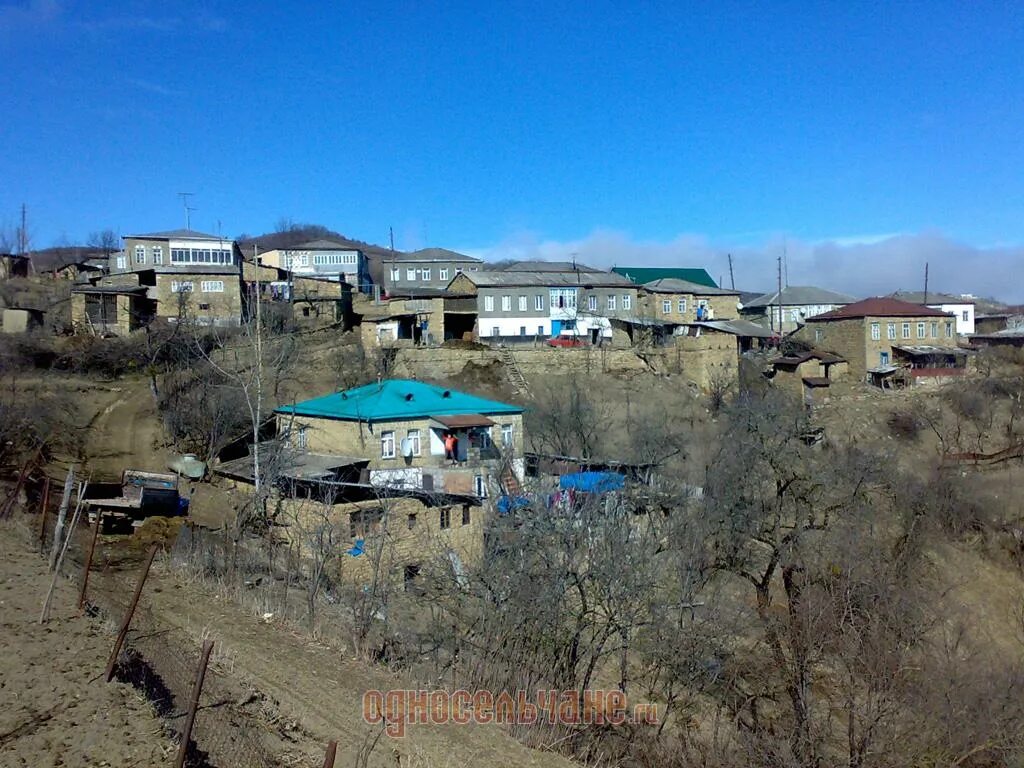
(862, 266)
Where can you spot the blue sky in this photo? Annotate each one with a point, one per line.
(664, 131)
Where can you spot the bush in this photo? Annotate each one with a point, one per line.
(904, 425)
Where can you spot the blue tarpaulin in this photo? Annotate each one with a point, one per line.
(508, 504)
(592, 482)
(356, 550)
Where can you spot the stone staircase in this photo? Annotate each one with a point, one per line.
(515, 373)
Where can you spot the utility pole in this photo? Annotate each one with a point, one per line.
(925, 283)
(785, 264)
(184, 202)
(778, 297)
(732, 279)
(23, 238)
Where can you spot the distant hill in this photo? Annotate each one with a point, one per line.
(304, 233)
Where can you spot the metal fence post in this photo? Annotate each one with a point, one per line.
(128, 614)
(197, 688)
(88, 560)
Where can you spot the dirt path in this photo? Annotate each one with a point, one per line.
(321, 691)
(126, 432)
(53, 711)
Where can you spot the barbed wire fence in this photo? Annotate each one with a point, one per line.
(231, 726)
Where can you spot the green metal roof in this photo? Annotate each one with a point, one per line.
(396, 400)
(641, 275)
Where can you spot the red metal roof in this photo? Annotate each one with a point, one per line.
(879, 306)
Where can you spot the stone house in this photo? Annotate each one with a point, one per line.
(186, 273)
(681, 301)
(513, 306)
(807, 374)
(399, 426)
(962, 307)
(13, 265)
(427, 268)
(786, 310)
(324, 260)
(110, 309)
(869, 333)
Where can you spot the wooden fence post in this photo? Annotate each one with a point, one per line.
(69, 483)
(332, 751)
(42, 515)
(123, 632)
(88, 560)
(197, 688)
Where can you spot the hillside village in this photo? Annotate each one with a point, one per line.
(392, 435)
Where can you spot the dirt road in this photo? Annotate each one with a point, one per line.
(125, 432)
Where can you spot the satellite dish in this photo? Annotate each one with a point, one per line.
(406, 447)
(739, 305)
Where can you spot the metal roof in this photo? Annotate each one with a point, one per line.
(800, 295)
(641, 275)
(933, 297)
(395, 400)
(180, 234)
(578, 279)
(927, 349)
(296, 465)
(320, 245)
(539, 265)
(675, 285)
(879, 306)
(737, 328)
(427, 255)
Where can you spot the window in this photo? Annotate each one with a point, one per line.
(935, 329)
(488, 303)
(522, 305)
(387, 445)
(410, 521)
(364, 523)
(212, 286)
(627, 301)
(540, 330)
(158, 254)
(538, 302)
(906, 330)
(465, 514)
(446, 517)
(396, 274)
(495, 331)
(410, 274)
(818, 334)
(204, 307)
(202, 256)
(920, 330)
(140, 254)
(949, 330)
(413, 437)
(480, 487)
(563, 298)
(966, 315)
(506, 435)
(426, 273)
(183, 286)
(876, 331)
(506, 303)
(122, 262)
(702, 303)
(611, 303)
(522, 330)
(301, 439)
(443, 273)
(592, 303)
(682, 306)
(890, 331)
(666, 306)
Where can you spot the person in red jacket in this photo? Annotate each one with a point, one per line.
(451, 447)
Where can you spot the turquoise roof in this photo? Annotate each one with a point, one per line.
(396, 400)
(641, 275)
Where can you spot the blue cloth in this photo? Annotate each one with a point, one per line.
(357, 548)
(592, 482)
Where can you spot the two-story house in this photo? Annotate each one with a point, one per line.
(786, 310)
(322, 260)
(962, 307)
(430, 268)
(884, 332)
(681, 301)
(524, 306)
(187, 274)
(414, 435)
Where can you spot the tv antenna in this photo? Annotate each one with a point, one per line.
(184, 202)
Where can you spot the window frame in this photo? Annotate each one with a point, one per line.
(445, 518)
(442, 273)
(592, 303)
(523, 304)
(612, 303)
(666, 306)
(140, 254)
(682, 306)
(507, 435)
(538, 302)
(627, 302)
(387, 438)
(876, 331)
(905, 330)
(488, 303)
(506, 303)
(922, 330)
(890, 331)
(415, 439)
